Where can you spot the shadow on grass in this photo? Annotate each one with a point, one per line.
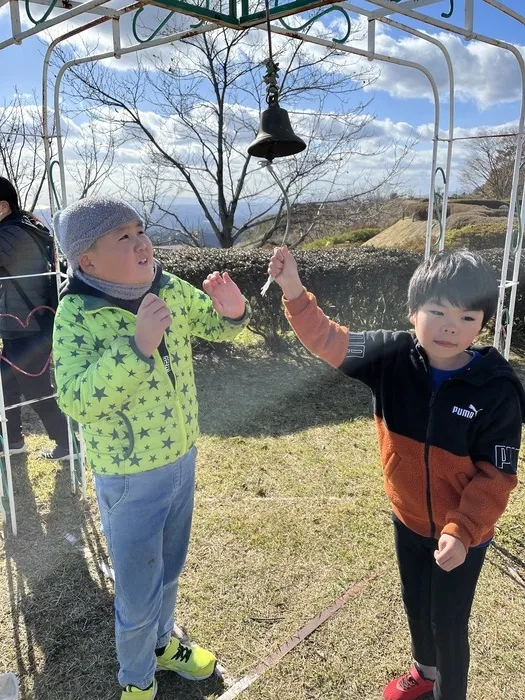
(252, 393)
(62, 615)
(62, 603)
(508, 554)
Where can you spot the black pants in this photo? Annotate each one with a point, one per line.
(30, 353)
(438, 605)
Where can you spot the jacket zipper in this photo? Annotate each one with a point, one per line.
(427, 466)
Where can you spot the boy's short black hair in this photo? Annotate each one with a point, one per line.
(461, 277)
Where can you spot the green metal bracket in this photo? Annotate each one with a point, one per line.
(438, 208)
(155, 32)
(199, 24)
(518, 238)
(286, 8)
(448, 14)
(199, 10)
(202, 10)
(44, 16)
(52, 181)
(320, 14)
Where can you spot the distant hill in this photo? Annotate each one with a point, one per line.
(474, 224)
(404, 234)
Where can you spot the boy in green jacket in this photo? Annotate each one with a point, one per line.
(124, 371)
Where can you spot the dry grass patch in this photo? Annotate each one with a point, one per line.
(289, 513)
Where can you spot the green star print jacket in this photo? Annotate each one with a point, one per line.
(137, 413)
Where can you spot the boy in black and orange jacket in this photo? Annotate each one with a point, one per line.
(448, 420)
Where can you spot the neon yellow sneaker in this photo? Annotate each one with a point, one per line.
(191, 662)
(132, 693)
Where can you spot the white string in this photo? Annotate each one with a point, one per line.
(267, 164)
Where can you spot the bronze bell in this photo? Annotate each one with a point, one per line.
(276, 137)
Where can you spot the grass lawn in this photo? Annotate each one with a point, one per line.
(290, 512)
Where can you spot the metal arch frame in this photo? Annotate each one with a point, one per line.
(449, 140)
(506, 10)
(19, 36)
(117, 52)
(388, 8)
(115, 18)
(469, 34)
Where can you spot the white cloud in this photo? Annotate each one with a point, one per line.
(483, 74)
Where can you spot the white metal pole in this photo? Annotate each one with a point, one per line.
(515, 275)
(7, 464)
(507, 10)
(450, 140)
(82, 458)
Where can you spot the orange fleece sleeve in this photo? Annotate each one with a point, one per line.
(321, 336)
(482, 503)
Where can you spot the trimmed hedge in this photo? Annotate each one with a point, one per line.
(359, 287)
(354, 237)
(421, 213)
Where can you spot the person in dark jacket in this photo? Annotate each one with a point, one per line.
(448, 418)
(25, 330)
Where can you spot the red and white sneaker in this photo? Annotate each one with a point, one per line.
(411, 686)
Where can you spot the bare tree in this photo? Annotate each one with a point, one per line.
(22, 149)
(95, 160)
(490, 164)
(22, 153)
(152, 189)
(206, 102)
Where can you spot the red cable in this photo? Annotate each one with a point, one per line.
(25, 324)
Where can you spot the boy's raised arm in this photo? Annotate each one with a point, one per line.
(321, 336)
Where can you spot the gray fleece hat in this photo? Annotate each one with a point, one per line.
(79, 225)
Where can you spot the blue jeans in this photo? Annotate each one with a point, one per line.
(146, 519)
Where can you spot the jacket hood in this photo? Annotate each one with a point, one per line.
(18, 218)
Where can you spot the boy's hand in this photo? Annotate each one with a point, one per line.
(225, 295)
(153, 317)
(283, 269)
(450, 553)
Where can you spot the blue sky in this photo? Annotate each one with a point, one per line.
(488, 83)
(23, 62)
